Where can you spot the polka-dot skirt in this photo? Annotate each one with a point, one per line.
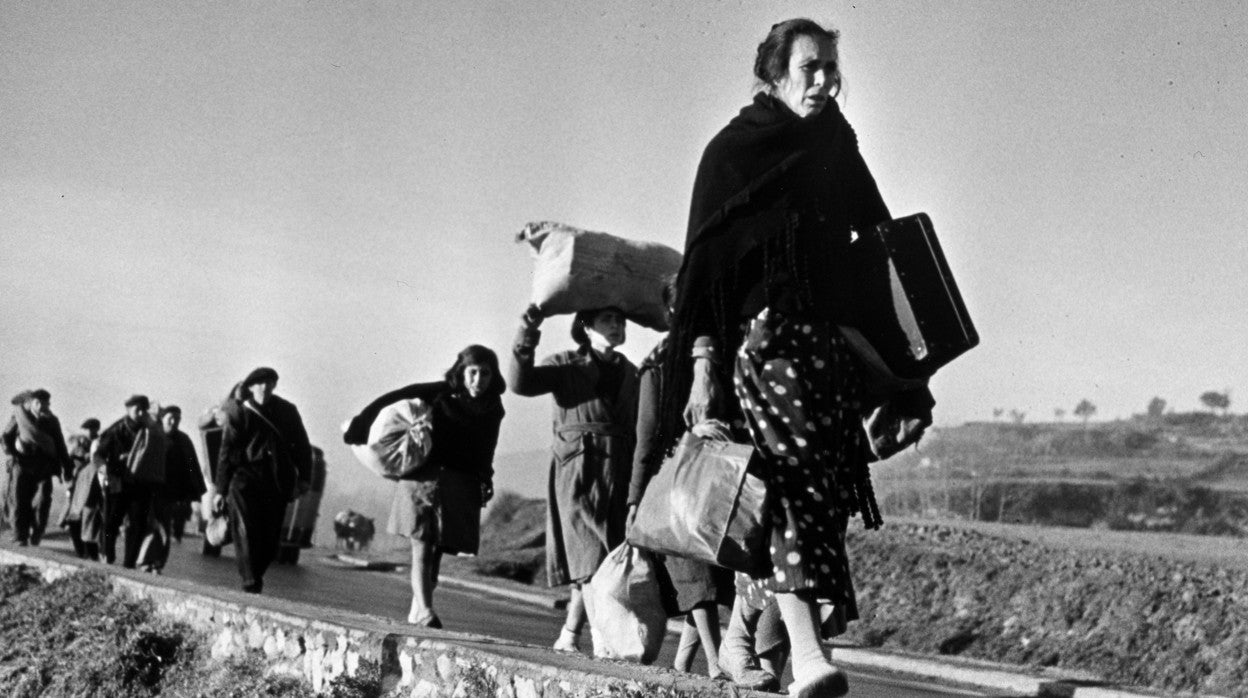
(799, 388)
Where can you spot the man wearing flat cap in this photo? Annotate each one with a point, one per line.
(36, 447)
(131, 459)
(265, 461)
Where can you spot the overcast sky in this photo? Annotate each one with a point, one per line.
(189, 190)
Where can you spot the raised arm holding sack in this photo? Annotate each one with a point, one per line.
(438, 500)
(576, 270)
(594, 399)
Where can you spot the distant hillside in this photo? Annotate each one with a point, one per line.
(1183, 445)
(522, 472)
(1180, 473)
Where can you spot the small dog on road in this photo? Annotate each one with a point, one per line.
(354, 530)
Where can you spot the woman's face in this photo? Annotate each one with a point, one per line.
(607, 329)
(805, 86)
(477, 379)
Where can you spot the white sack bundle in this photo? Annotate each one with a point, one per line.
(578, 270)
(624, 604)
(398, 441)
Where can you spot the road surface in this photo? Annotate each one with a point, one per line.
(319, 582)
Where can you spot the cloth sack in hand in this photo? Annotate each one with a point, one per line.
(217, 529)
(625, 607)
(576, 270)
(399, 440)
(707, 503)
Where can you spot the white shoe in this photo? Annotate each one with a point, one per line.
(568, 641)
(829, 683)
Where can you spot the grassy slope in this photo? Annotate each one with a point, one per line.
(1179, 446)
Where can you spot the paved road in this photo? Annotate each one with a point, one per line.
(316, 581)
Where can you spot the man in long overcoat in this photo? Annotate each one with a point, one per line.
(265, 461)
(131, 455)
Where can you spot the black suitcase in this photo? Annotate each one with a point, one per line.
(911, 312)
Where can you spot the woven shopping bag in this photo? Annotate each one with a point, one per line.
(707, 503)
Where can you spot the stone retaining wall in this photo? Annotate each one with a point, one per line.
(321, 644)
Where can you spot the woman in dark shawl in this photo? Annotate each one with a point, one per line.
(767, 278)
(438, 508)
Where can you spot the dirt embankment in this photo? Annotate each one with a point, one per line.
(1135, 619)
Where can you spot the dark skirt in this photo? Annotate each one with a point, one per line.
(444, 510)
(459, 513)
(799, 388)
(686, 584)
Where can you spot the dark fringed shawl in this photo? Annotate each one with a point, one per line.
(755, 176)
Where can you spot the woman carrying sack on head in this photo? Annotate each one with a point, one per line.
(594, 391)
(765, 281)
(438, 505)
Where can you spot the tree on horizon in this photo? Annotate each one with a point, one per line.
(1084, 410)
(1215, 400)
(1156, 407)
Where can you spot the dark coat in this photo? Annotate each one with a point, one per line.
(38, 463)
(116, 444)
(460, 461)
(269, 449)
(184, 480)
(591, 457)
(85, 493)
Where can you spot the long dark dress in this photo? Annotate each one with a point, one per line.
(184, 481)
(441, 504)
(591, 453)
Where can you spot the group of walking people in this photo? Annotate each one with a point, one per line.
(141, 473)
(140, 476)
(754, 355)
